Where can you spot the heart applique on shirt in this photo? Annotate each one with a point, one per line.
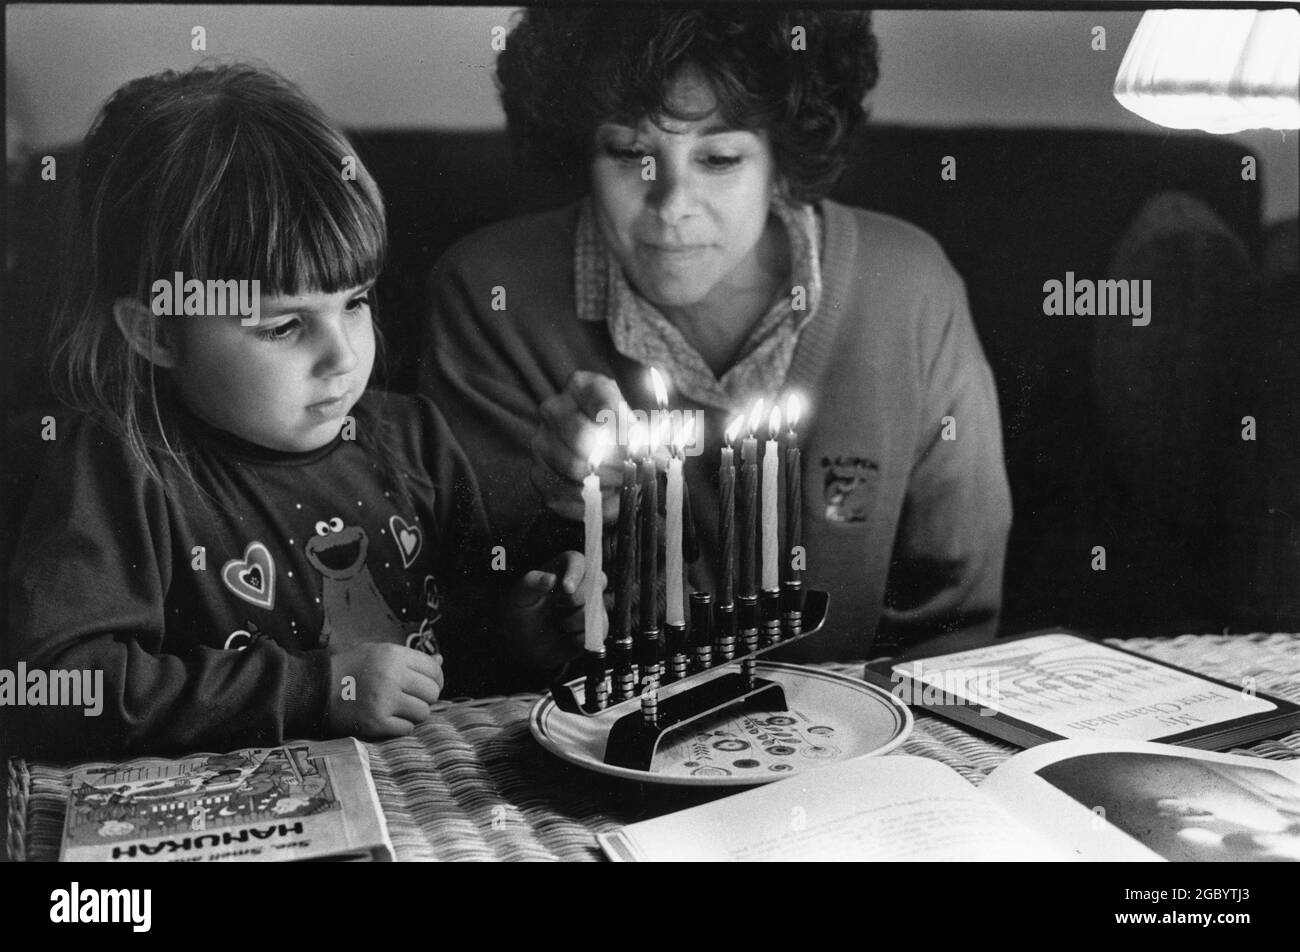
(252, 578)
(408, 539)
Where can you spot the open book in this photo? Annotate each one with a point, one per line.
(308, 800)
(1057, 685)
(1066, 800)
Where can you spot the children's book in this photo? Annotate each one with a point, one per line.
(1056, 685)
(1067, 800)
(303, 801)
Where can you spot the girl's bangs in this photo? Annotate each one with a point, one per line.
(297, 213)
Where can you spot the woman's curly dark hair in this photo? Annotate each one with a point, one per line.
(564, 71)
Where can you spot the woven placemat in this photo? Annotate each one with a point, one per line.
(472, 784)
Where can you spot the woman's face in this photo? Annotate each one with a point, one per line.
(683, 206)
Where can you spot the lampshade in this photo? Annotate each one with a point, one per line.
(1217, 70)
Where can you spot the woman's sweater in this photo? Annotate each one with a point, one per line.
(906, 506)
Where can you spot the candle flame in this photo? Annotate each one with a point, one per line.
(734, 428)
(657, 382)
(597, 454)
(774, 423)
(655, 434)
(685, 436)
(755, 415)
(793, 410)
(636, 438)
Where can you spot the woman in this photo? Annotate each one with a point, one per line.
(707, 248)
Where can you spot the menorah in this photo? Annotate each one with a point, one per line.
(664, 700)
(760, 605)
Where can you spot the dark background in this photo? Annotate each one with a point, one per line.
(1118, 436)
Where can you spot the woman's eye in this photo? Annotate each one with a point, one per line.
(279, 331)
(719, 162)
(624, 153)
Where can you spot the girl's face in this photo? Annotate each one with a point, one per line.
(687, 224)
(287, 382)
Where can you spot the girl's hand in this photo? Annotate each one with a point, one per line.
(545, 611)
(564, 438)
(381, 690)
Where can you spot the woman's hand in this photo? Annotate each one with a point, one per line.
(545, 612)
(565, 437)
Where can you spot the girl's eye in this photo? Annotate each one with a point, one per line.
(364, 300)
(280, 331)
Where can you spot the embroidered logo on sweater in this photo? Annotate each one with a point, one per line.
(241, 639)
(424, 639)
(845, 480)
(407, 537)
(252, 578)
(354, 607)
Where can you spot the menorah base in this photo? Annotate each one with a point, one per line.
(633, 740)
(570, 693)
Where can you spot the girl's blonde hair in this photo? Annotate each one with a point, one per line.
(220, 172)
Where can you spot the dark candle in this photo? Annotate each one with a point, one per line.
(649, 509)
(748, 505)
(727, 518)
(625, 583)
(793, 510)
(793, 494)
(690, 540)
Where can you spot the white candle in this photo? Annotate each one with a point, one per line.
(593, 524)
(675, 608)
(771, 569)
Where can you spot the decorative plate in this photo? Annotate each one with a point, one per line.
(831, 717)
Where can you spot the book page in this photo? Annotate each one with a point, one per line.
(1078, 688)
(869, 808)
(1154, 801)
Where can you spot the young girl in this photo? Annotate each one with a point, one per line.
(239, 538)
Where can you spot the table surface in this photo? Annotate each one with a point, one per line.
(472, 784)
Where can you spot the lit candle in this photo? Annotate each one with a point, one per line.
(690, 540)
(625, 584)
(660, 389)
(793, 491)
(771, 547)
(675, 607)
(748, 494)
(593, 524)
(649, 536)
(727, 516)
